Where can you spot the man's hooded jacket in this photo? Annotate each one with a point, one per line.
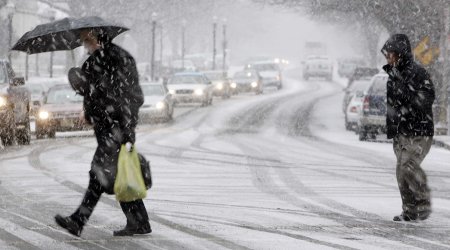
(410, 92)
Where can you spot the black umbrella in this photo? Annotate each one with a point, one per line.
(64, 34)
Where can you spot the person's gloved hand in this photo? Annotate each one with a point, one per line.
(129, 146)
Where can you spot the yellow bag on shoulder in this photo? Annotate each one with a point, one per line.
(129, 184)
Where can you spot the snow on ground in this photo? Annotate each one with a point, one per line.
(276, 171)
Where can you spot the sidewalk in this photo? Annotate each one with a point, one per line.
(442, 141)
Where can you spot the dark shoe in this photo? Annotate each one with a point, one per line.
(405, 217)
(69, 224)
(132, 230)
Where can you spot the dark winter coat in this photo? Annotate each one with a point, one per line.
(410, 93)
(111, 104)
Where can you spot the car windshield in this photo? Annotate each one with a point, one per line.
(36, 89)
(360, 85)
(214, 76)
(179, 64)
(265, 67)
(63, 96)
(152, 90)
(379, 86)
(186, 79)
(244, 75)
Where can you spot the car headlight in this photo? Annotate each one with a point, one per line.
(172, 91)
(254, 84)
(3, 101)
(160, 105)
(199, 91)
(219, 86)
(233, 85)
(43, 115)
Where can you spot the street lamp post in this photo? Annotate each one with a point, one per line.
(214, 42)
(152, 60)
(161, 47)
(51, 14)
(183, 41)
(10, 9)
(224, 56)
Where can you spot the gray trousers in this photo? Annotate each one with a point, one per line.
(412, 180)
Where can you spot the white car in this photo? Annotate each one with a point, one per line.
(318, 66)
(191, 87)
(158, 103)
(353, 93)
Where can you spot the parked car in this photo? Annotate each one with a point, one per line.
(318, 66)
(14, 107)
(362, 72)
(347, 66)
(62, 111)
(37, 91)
(158, 103)
(247, 81)
(354, 107)
(269, 71)
(373, 116)
(355, 91)
(221, 83)
(191, 87)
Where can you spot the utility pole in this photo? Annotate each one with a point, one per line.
(10, 9)
(161, 48)
(183, 42)
(224, 56)
(152, 60)
(214, 42)
(51, 14)
(441, 128)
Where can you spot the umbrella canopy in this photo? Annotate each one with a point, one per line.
(63, 34)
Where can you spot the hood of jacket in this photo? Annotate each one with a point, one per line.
(399, 44)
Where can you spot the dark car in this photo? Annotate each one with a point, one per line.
(62, 111)
(14, 107)
(247, 81)
(373, 117)
(221, 83)
(269, 71)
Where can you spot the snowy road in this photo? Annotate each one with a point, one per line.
(276, 171)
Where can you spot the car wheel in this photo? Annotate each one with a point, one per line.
(348, 126)
(52, 134)
(362, 134)
(23, 136)
(210, 101)
(8, 137)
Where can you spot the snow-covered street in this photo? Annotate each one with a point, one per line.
(276, 171)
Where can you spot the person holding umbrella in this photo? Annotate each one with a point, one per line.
(109, 83)
(112, 97)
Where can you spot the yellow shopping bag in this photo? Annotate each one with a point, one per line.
(129, 184)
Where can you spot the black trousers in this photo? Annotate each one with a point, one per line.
(134, 211)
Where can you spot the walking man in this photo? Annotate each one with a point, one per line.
(409, 121)
(112, 97)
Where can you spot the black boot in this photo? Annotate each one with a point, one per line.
(71, 225)
(131, 230)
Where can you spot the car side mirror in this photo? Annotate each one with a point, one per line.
(359, 94)
(209, 82)
(18, 81)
